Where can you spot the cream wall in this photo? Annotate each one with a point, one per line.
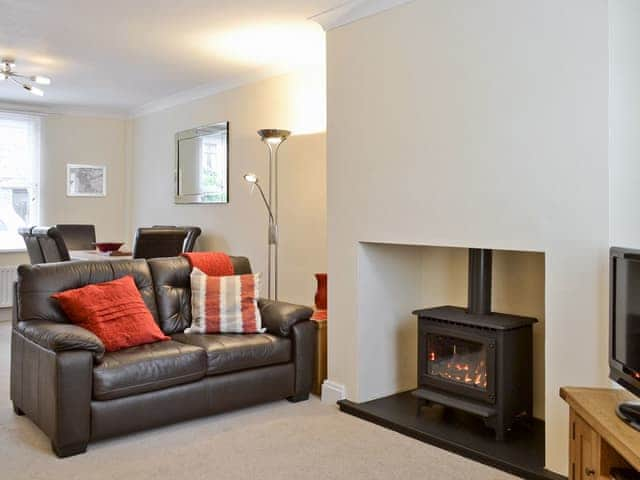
(294, 101)
(624, 122)
(139, 155)
(84, 140)
(473, 124)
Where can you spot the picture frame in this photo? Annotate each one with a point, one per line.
(86, 180)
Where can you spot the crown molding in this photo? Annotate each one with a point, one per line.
(352, 11)
(20, 108)
(90, 112)
(45, 110)
(154, 106)
(203, 91)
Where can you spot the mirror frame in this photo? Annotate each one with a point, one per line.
(200, 131)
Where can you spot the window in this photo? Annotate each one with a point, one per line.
(213, 167)
(19, 176)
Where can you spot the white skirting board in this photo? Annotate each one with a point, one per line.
(332, 392)
(8, 275)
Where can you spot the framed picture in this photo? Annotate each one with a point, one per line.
(86, 180)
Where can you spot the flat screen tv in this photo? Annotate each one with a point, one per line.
(624, 328)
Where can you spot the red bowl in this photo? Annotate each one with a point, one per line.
(108, 246)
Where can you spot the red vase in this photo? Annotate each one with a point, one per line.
(321, 292)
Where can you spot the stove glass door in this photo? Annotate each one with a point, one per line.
(457, 360)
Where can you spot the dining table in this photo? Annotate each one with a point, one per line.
(95, 255)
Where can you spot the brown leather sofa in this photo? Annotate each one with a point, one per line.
(63, 380)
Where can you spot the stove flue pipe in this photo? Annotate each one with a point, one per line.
(479, 288)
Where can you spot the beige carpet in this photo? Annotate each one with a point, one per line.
(307, 440)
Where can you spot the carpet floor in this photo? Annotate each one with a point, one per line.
(307, 440)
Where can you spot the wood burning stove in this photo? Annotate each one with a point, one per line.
(475, 360)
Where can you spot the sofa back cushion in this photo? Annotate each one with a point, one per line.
(36, 284)
(173, 290)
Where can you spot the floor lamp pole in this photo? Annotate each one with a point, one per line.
(273, 138)
(271, 242)
(273, 155)
(273, 224)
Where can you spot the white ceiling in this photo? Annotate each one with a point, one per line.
(116, 56)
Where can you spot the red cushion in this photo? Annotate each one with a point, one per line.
(215, 264)
(114, 311)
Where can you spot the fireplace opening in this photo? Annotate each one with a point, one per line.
(476, 360)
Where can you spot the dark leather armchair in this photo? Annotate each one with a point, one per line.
(44, 245)
(52, 244)
(79, 393)
(158, 242)
(192, 235)
(32, 244)
(78, 237)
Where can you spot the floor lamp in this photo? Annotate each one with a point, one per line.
(273, 138)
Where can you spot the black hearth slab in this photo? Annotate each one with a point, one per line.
(522, 454)
(494, 321)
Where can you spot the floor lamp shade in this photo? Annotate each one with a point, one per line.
(273, 135)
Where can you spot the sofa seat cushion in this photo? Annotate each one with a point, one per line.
(231, 352)
(146, 368)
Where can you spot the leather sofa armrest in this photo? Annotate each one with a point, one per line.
(61, 337)
(280, 317)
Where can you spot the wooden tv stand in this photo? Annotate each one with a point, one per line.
(598, 439)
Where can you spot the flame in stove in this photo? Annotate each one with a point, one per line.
(460, 369)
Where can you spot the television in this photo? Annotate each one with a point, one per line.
(624, 328)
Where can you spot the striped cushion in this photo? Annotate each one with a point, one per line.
(225, 304)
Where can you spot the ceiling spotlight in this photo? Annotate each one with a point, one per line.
(41, 80)
(7, 73)
(34, 90)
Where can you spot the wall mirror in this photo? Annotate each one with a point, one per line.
(202, 164)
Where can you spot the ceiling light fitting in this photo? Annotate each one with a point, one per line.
(7, 73)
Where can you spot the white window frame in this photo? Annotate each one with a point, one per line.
(34, 186)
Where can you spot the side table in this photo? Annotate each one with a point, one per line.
(598, 440)
(319, 319)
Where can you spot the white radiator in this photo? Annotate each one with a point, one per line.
(8, 275)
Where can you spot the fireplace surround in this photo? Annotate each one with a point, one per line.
(394, 277)
(476, 360)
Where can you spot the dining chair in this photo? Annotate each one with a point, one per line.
(77, 236)
(51, 244)
(32, 244)
(158, 242)
(192, 235)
